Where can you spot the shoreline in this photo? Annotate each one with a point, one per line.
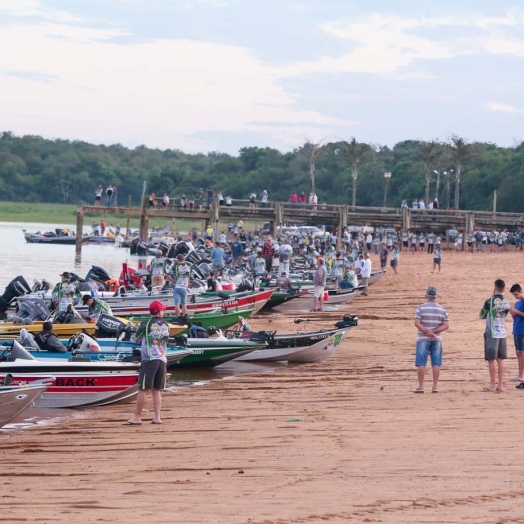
(364, 447)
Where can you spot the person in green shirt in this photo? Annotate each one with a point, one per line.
(437, 257)
(65, 293)
(96, 308)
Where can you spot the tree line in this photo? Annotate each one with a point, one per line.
(460, 173)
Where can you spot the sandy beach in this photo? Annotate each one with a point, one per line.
(345, 440)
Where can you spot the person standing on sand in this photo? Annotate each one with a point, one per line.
(153, 334)
(517, 312)
(495, 311)
(320, 283)
(431, 319)
(366, 274)
(384, 252)
(395, 255)
(437, 257)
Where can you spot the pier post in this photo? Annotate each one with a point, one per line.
(79, 229)
(144, 225)
(406, 219)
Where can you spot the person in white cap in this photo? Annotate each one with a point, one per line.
(431, 319)
(366, 273)
(284, 257)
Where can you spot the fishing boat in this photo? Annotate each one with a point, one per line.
(220, 319)
(205, 352)
(16, 359)
(74, 389)
(14, 399)
(67, 324)
(305, 347)
(331, 297)
(82, 346)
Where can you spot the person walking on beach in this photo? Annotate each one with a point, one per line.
(384, 252)
(431, 319)
(366, 274)
(517, 312)
(153, 334)
(395, 255)
(437, 257)
(495, 311)
(319, 279)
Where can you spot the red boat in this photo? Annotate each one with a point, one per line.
(81, 389)
(238, 301)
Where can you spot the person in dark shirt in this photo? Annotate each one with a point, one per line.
(211, 282)
(48, 341)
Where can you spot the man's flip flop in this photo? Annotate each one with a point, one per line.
(434, 390)
(489, 390)
(153, 422)
(129, 423)
(418, 391)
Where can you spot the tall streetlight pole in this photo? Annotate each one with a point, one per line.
(448, 177)
(387, 176)
(438, 182)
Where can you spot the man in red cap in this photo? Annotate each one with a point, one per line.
(153, 334)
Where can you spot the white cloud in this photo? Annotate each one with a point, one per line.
(384, 44)
(34, 8)
(504, 46)
(502, 108)
(158, 93)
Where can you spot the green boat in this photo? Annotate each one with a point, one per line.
(209, 352)
(218, 319)
(204, 352)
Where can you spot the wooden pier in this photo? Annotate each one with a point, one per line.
(336, 216)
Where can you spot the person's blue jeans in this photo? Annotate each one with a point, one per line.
(425, 348)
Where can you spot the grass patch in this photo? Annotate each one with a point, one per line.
(66, 214)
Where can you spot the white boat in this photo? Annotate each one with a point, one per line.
(14, 399)
(313, 346)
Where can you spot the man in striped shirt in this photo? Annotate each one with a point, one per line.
(431, 319)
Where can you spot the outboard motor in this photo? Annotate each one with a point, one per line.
(108, 327)
(132, 247)
(205, 269)
(16, 288)
(33, 308)
(40, 286)
(142, 248)
(197, 273)
(245, 285)
(164, 247)
(16, 351)
(98, 274)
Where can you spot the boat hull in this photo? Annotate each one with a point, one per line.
(15, 399)
(300, 348)
(82, 390)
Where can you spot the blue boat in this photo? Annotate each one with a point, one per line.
(81, 347)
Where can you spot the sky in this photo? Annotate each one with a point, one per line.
(219, 75)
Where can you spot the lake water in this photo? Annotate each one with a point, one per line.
(37, 261)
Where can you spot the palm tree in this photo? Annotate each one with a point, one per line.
(355, 155)
(430, 153)
(460, 150)
(312, 152)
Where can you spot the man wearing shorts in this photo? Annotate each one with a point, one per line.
(495, 311)
(153, 334)
(320, 283)
(431, 319)
(517, 312)
(181, 274)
